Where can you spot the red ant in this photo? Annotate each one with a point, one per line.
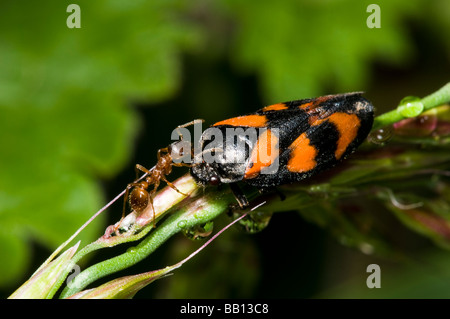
(137, 193)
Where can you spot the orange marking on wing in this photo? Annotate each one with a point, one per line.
(322, 99)
(305, 106)
(315, 120)
(248, 121)
(275, 107)
(347, 125)
(263, 154)
(303, 155)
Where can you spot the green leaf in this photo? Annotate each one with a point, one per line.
(124, 287)
(41, 284)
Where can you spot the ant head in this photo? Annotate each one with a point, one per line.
(138, 199)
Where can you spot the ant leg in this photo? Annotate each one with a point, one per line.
(180, 136)
(150, 197)
(177, 129)
(155, 187)
(153, 209)
(196, 121)
(125, 198)
(172, 186)
(141, 168)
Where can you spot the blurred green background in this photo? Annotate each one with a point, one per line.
(79, 107)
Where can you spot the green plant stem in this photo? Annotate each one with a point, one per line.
(437, 98)
(198, 212)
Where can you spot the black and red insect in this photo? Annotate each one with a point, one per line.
(302, 137)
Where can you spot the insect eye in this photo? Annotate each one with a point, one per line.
(214, 180)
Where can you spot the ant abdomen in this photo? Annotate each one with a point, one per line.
(138, 198)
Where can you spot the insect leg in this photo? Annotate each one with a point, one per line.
(239, 195)
(197, 121)
(172, 186)
(150, 197)
(141, 168)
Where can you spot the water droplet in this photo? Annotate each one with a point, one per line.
(410, 106)
(381, 136)
(182, 224)
(254, 222)
(199, 231)
(131, 250)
